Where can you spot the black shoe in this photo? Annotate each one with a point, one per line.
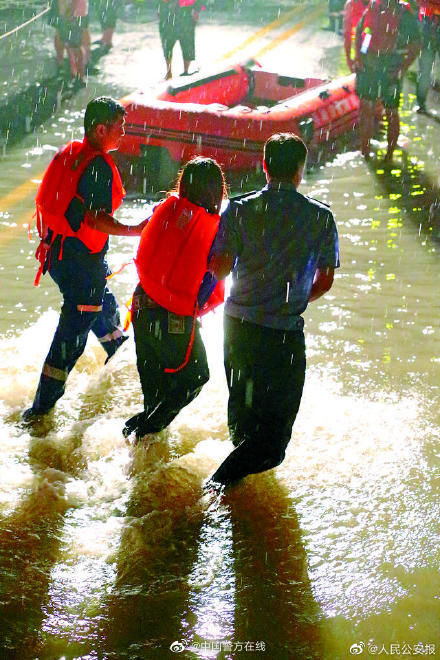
(114, 347)
(33, 414)
(213, 487)
(103, 49)
(132, 424)
(92, 70)
(421, 109)
(77, 83)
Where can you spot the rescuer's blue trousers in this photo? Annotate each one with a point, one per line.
(88, 305)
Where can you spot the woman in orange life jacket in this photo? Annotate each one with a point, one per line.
(387, 42)
(175, 287)
(79, 191)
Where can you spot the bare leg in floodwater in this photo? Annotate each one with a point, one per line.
(59, 50)
(169, 73)
(366, 125)
(393, 131)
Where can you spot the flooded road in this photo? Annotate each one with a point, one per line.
(110, 551)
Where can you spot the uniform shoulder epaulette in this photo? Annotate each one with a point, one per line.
(318, 202)
(236, 198)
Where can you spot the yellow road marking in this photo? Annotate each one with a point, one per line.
(20, 226)
(260, 33)
(19, 193)
(285, 35)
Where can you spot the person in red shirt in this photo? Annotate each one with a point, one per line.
(353, 11)
(387, 42)
(177, 22)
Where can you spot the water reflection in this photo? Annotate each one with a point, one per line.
(158, 547)
(216, 579)
(407, 183)
(30, 540)
(274, 602)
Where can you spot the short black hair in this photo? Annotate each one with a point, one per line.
(284, 155)
(202, 182)
(102, 110)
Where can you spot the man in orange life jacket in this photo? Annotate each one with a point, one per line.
(79, 191)
(387, 41)
(353, 11)
(177, 22)
(429, 15)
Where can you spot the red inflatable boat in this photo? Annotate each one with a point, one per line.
(229, 114)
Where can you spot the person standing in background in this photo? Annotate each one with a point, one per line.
(107, 14)
(353, 11)
(73, 33)
(54, 19)
(335, 9)
(177, 22)
(429, 15)
(283, 249)
(387, 42)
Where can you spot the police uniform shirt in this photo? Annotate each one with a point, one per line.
(279, 238)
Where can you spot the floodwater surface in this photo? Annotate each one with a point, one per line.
(111, 551)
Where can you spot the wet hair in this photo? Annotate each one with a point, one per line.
(102, 110)
(202, 182)
(284, 155)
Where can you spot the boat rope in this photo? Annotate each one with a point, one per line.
(19, 27)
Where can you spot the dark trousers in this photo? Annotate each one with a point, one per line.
(162, 339)
(177, 25)
(87, 305)
(265, 371)
(430, 33)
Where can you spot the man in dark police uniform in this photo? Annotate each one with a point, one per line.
(283, 249)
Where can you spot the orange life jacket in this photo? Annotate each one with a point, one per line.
(182, 3)
(357, 9)
(173, 254)
(380, 27)
(59, 187)
(429, 8)
(352, 15)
